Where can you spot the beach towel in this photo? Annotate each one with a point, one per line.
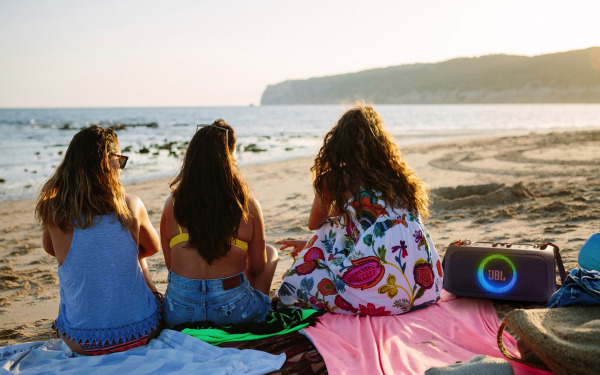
(276, 335)
(566, 339)
(301, 356)
(278, 322)
(480, 365)
(172, 352)
(454, 329)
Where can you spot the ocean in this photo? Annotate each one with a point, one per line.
(33, 141)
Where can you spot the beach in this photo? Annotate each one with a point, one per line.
(540, 187)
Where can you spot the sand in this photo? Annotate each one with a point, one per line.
(543, 187)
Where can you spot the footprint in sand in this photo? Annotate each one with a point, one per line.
(295, 196)
(22, 251)
(8, 334)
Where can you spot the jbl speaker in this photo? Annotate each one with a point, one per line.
(507, 271)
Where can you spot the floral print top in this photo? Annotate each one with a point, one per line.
(382, 262)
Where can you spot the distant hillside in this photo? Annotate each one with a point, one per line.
(566, 77)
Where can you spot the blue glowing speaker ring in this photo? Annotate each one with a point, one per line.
(494, 289)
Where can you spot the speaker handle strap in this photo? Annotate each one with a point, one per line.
(559, 263)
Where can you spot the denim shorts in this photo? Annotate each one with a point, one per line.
(197, 300)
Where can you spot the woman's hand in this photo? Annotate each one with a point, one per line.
(298, 246)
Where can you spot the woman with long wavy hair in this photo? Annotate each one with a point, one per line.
(213, 238)
(100, 236)
(370, 253)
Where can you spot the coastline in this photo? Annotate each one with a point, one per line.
(541, 187)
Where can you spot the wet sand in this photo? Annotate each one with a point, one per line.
(543, 187)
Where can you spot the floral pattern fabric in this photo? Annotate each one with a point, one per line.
(382, 262)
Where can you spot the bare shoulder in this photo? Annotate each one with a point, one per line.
(254, 207)
(168, 207)
(134, 203)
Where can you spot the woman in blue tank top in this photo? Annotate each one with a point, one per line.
(100, 236)
(213, 238)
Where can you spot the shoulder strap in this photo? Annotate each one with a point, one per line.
(558, 259)
(181, 237)
(239, 243)
(178, 226)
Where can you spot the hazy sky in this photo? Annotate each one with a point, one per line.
(58, 53)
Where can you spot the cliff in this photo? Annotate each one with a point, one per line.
(565, 77)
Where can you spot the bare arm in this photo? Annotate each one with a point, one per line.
(148, 237)
(164, 239)
(147, 275)
(319, 213)
(257, 255)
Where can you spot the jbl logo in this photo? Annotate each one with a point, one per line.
(497, 275)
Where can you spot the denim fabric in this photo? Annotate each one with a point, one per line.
(196, 300)
(581, 287)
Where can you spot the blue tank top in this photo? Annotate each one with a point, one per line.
(103, 293)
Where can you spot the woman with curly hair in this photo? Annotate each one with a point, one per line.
(370, 253)
(213, 238)
(100, 236)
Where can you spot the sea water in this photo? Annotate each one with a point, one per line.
(33, 141)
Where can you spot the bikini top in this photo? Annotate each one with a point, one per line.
(183, 237)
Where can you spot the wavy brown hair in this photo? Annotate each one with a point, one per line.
(84, 185)
(210, 195)
(358, 153)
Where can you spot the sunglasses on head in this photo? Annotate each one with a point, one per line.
(122, 160)
(198, 127)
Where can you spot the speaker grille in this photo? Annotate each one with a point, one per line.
(501, 276)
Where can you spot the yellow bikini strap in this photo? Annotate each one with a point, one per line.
(178, 226)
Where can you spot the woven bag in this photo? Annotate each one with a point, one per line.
(565, 339)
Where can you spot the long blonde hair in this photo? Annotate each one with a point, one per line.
(84, 185)
(358, 151)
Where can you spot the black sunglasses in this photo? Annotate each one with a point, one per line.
(122, 160)
(198, 127)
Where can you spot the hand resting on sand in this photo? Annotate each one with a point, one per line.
(298, 246)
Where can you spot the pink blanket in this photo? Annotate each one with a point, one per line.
(454, 329)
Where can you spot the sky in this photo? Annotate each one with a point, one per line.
(121, 53)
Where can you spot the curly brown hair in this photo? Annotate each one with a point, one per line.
(211, 196)
(358, 153)
(84, 185)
